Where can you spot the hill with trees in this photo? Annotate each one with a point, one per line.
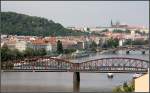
(20, 24)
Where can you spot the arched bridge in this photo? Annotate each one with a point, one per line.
(143, 49)
(103, 65)
(132, 48)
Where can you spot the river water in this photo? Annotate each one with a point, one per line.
(63, 81)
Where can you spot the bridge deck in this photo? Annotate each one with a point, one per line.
(90, 71)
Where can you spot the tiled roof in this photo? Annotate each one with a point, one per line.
(11, 42)
(38, 42)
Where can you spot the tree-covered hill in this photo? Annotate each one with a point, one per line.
(19, 24)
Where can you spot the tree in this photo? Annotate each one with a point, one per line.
(128, 42)
(127, 31)
(29, 52)
(8, 54)
(88, 29)
(42, 52)
(4, 51)
(17, 54)
(112, 43)
(136, 42)
(59, 47)
(68, 51)
(105, 45)
(116, 42)
(105, 30)
(93, 46)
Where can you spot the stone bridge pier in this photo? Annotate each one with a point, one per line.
(76, 82)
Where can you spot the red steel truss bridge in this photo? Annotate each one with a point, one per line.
(102, 65)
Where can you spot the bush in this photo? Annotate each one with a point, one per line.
(68, 51)
(125, 88)
(136, 42)
(8, 55)
(117, 89)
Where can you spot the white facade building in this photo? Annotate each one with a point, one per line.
(121, 42)
(22, 45)
(46, 46)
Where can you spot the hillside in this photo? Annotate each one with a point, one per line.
(19, 24)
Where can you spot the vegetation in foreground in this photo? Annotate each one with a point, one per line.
(125, 87)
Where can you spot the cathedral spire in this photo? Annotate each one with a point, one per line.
(111, 23)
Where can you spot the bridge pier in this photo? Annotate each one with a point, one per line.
(143, 52)
(114, 51)
(76, 82)
(127, 52)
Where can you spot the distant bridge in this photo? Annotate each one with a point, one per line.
(130, 48)
(133, 47)
(103, 65)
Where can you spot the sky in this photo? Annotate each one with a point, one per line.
(84, 13)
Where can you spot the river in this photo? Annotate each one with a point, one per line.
(63, 81)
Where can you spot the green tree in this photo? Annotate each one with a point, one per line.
(59, 47)
(105, 30)
(116, 42)
(7, 56)
(136, 42)
(88, 29)
(128, 31)
(68, 51)
(112, 43)
(93, 46)
(128, 42)
(29, 52)
(4, 51)
(42, 52)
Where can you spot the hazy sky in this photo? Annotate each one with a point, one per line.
(84, 13)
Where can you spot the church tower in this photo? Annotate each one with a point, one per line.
(111, 23)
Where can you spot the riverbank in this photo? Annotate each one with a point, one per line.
(70, 57)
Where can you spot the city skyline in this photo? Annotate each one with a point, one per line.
(84, 13)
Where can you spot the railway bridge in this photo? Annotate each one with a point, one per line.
(102, 65)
